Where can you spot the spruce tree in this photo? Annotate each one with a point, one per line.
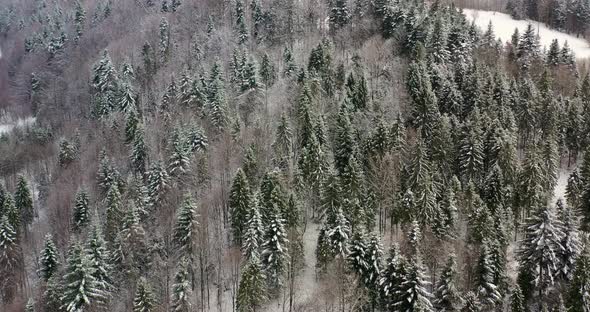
(23, 200)
(81, 288)
(10, 259)
(49, 258)
(186, 229)
(144, 300)
(425, 111)
(114, 213)
(391, 277)
(578, 298)
(570, 241)
(267, 71)
(239, 205)
(157, 180)
(98, 257)
(486, 287)
(139, 151)
(447, 295)
(339, 14)
(81, 215)
(252, 289)
(517, 303)
(181, 289)
(11, 213)
(253, 237)
(179, 160)
(275, 255)
(539, 249)
(412, 293)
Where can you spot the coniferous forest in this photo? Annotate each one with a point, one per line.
(291, 156)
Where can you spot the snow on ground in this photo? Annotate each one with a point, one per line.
(504, 27)
(306, 285)
(7, 126)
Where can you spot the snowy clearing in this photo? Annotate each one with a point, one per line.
(504, 27)
(6, 127)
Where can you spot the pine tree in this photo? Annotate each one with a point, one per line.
(181, 290)
(216, 102)
(49, 261)
(540, 247)
(486, 287)
(339, 14)
(239, 205)
(67, 153)
(570, 241)
(139, 151)
(131, 125)
(11, 213)
(254, 234)
(105, 84)
(471, 303)
(241, 29)
(10, 259)
(114, 213)
(283, 144)
(23, 200)
(144, 300)
(578, 299)
(447, 295)
(267, 71)
(517, 303)
(81, 288)
(157, 180)
(554, 54)
(179, 161)
(98, 257)
(275, 255)
(425, 111)
(164, 44)
(132, 237)
(412, 293)
(252, 288)
(186, 229)
(81, 215)
(391, 277)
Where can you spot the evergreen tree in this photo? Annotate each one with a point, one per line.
(239, 205)
(412, 293)
(186, 229)
(114, 213)
(241, 29)
(181, 290)
(447, 295)
(283, 144)
(179, 161)
(486, 286)
(578, 299)
(144, 300)
(338, 234)
(164, 44)
(471, 303)
(79, 20)
(98, 257)
(49, 261)
(10, 259)
(67, 153)
(289, 62)
(157, 180)
(216, 101)
(391, 277)
(252, 288)
(139, 151)
(517, 303)
(425, 113)
(30, 307)
(554, 54)
(81, 288)
(11, 213)
(105, 84)
(275, 255)
(539, 249)
(81, 215)
(339, 14)
(23, 200)
(267, 71)
(254, 234)
(570, 241)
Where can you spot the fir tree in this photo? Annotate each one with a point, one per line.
(339, 14)
(486, 287)
(570, 241)
(253, 236)
(10, 259)
(578, 299)
(447, 295)
(105, 84)
(425, 112)
(252, 288)
(139, 151)
(11, 213)
(239, 205)
(539, 249)
(49, 258)
(412, 293)
(164, 44)
(157, 180)
(23, 200)
(81, 215)
(267, 71)
(179, 161)
(144, 300)
(275, 255)
(81, 288)
(67, 153)
(517, 303)
(181, 290)
(186, 229)
(114, 213)
(289, 62)
(79, 20)
(98, 257)
(391, 277)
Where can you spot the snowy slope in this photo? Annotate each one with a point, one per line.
(504, 27)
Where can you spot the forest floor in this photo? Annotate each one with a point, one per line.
(504, 26)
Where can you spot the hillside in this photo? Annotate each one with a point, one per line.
(283, 155)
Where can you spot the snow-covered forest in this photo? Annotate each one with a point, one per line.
(294, 155)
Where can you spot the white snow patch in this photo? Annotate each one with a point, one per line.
(504, 26)
(7, 126)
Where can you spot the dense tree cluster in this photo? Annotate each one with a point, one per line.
(259, 155)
